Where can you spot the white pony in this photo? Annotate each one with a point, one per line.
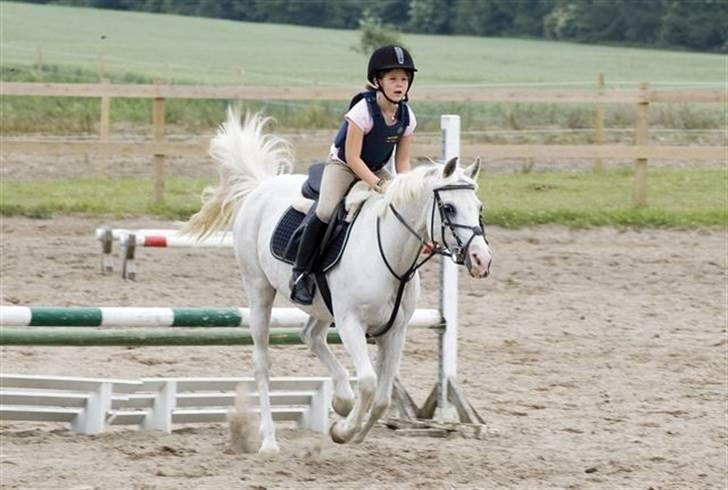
(436, 202)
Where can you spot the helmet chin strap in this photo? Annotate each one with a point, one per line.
(379, 89)
(395, 102)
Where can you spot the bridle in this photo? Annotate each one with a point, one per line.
(458, 254)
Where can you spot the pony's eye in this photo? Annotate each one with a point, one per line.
(448, 209)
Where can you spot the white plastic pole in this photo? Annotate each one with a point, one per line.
(448, 340)
(448, 271)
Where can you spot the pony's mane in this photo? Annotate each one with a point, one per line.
(406, 187)
(410, 185)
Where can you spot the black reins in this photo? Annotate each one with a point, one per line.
(404, 278)
(436, 249)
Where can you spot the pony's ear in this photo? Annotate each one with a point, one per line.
(473, 169)
(450, 167)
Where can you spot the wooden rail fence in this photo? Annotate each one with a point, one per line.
(307, 148)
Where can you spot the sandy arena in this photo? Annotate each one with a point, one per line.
(598, 359)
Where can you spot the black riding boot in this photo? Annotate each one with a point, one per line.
(301, 284)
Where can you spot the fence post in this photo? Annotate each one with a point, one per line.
(642, 138)
(599, 122)
(158, 129)
(104, 130)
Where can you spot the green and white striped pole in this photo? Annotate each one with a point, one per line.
(54, 316)
(129, 316)
(86, 326)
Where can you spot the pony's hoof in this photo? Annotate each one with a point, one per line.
(342, 406)
(335, 434)
(269, 449)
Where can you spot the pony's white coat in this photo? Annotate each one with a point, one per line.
(254, 193)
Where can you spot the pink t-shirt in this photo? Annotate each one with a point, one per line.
(359, 115)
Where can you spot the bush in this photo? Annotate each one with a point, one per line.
(375, 34)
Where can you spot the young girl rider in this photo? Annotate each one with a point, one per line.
(378, 121)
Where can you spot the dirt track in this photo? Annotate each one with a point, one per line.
(598, 359)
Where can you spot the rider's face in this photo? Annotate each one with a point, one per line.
(394, 83)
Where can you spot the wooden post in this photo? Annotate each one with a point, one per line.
(599, 123)
(158, 122)
(642, 138)
(104, 130)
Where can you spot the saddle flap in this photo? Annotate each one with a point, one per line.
(312, 186)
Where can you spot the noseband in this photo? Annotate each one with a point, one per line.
(458, 253)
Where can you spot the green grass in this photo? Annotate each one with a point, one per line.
(64, 115)
(676, 199)
(685, 199)
(141, 47)
(199, 50)
(114, 197)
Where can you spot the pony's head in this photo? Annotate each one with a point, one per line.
(452, 211)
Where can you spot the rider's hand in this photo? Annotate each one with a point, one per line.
(381, 186)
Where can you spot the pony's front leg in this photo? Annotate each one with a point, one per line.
(314, 336)
(389, 353)
(261, 302)
(352, 335)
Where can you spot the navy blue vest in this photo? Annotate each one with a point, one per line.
(379, 143)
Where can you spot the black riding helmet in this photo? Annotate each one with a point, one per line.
(389, 58)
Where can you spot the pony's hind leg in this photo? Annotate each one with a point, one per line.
(314, 335)
(261, 295)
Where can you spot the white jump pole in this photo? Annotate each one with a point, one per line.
(448, 338)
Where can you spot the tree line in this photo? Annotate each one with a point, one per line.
(698, 25)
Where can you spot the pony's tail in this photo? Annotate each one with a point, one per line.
(245, 157)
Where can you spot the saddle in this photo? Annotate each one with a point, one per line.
(287, 233)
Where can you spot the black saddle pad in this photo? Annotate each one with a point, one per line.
(287, 235)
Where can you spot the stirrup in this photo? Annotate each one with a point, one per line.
(302, 289)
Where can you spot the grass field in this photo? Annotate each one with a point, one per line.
(686, 199)
(198, 50)
(81, 115)
(140, 47)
